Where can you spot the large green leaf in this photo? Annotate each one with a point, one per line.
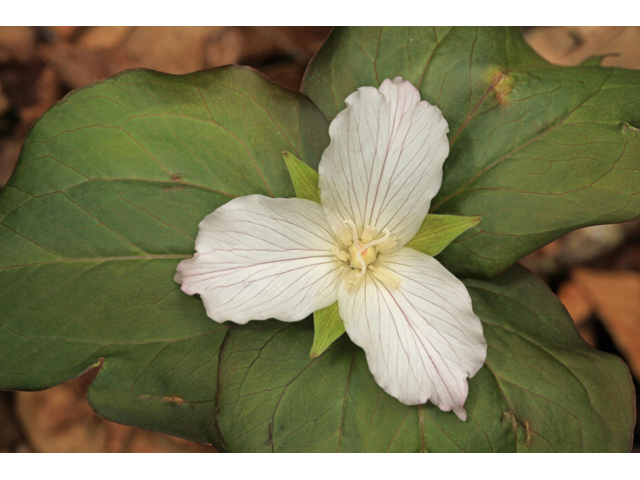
(542, 387)
(106, 199)
(536, 150)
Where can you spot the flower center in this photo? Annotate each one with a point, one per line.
(361, 252)
(358, 254)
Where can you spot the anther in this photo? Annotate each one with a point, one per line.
(341, 254)
(378, 241)
(345, 236)
(367, 234)
(385, 276)
(354, 279)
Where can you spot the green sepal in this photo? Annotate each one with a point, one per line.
(303, 177)
(328, 326)
(438, 231)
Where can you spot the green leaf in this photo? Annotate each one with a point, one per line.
(105, 201)
(542, 388)
(303, 177)
(536, 150)
(438, 231)
(327, 328)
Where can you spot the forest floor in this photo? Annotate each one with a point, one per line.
(595, 271)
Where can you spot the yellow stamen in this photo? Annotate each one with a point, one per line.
(345, 236)
(367, 234)
(341, 254)
(356, 244)
(378, 241)
(362, 256)
(385, 276)
(354, 279)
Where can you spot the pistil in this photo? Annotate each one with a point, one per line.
(362, 251)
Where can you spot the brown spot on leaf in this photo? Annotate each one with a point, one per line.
(528, 439)
(174, 399)
(510, 417)
(528, 431)
(502, 87)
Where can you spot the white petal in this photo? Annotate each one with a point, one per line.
(384, 163)
(260, 257)
(422, 339)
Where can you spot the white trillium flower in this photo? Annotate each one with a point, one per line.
(259, 257)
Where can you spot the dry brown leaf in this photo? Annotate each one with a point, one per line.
(293, 41)
(242, 46)
(9, 431)
(104, 51)
(65, 32)
(16, 43)
(60, 420)
(104, 38)
(573, 45)
(287, 74)
(5, 105)
(615, 297)
(308, 39)
(48, 92)
(42, 93)
(576, 302)
(576, 248)
(174, 50)
(225, 48)
(9, 152)
(77, 67)
(580, 309)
